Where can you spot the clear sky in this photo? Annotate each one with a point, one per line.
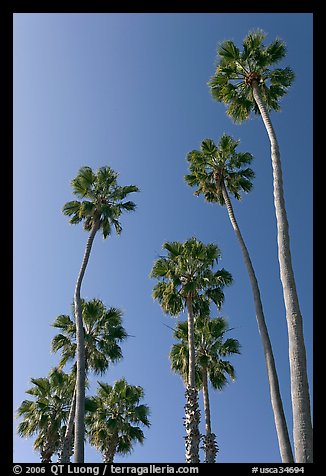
(130, 91)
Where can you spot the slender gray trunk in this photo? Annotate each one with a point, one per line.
(275, 395)
(80, 383)
(207, 410)
(192, 413)
(302, 425)
(67, 446)
(191, 343)
(209, 440)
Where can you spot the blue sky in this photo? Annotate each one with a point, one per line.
(130, 91)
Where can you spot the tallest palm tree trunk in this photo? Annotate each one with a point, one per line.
(276, 400)
(302, 426)
(80, 382)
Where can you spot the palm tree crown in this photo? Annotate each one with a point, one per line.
(47, 414)
(237, 70)
(213, 165)
(102, 199)
(211, 348)
(103, 333)
(187, 270)
(115, 423)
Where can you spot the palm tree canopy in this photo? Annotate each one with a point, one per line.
(236, 70)
(47, 414)
(117, 410)
(103, 333)
(211, 349)
(187, 270)
(101, 198)
(214, 164)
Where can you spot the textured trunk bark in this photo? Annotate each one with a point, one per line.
(192, 413)
(192, 418)
(110, 450)
(275, 395)
(48, 448)
(302, 426)
(209, 443)
(46, 456)
(67, 446)
(210, 447)
(80, 383)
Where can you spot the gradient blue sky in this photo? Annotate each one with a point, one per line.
(130, 91)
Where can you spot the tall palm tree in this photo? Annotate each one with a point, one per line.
(100, 207)
(114, 424)
(47, 414)
(103, 333)
(217, 171)
(248, 81)
(211, 348)
(187, 281)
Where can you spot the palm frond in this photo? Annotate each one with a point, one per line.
(282, 76)
(254, 40)
(71, 208)
(64, 322)
(59, 342)
(228, 51)
(239, 109)
(276, 51)
(84, 182)
(128, 206)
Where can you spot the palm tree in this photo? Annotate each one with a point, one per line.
(115, 423)
(215, 170)
(187, 281)
(211, 348)
(47, 414)
(248, 81)
(100, 207)
(103, 332)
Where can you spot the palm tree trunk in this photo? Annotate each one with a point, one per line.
(66, 451)
(48, 447)
(276, 400)
(111, 449)
(207, 409)
(191, 342)
(80, 383)
(192, 413)
(191, 423)
(210, 446)
(302, 426)
(46, 456)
